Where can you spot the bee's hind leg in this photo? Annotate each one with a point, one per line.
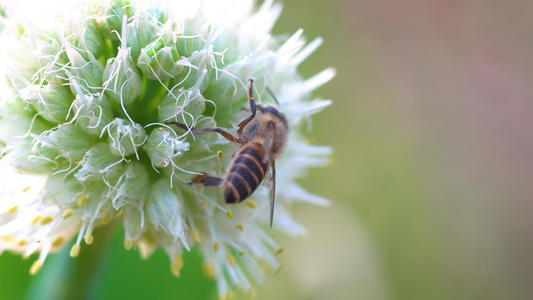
(207, 180)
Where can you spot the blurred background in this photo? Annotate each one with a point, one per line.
(431, 181)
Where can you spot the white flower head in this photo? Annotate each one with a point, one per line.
(86, 136)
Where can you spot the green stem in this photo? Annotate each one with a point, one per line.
(64, 277)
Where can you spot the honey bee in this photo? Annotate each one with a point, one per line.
(262, 137)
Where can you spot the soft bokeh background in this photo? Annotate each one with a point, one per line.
(431, 180)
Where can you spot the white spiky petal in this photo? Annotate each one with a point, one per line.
(84, 139)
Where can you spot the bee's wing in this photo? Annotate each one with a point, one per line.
(272, 190)
(269, 136)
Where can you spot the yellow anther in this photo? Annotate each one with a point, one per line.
(22, 242)
(75, 251)
(222, 297)
(26, 189)
(209, 270)
(12, 210)
(219, 154)
(176, 266)
(203, 203)
(230, 214)
(35, 220)
(239, 226)
(242, 253)
(217, 246)
(230, 259)
(25, 257)
(8, 239)
(67, 213)
(46, 220)
(280, 250)
(100, 20)
(128, 244)
(89, 238)
(250, 203)
(81, 200)
(101, 209)
(250, 294)
(230, 295)
(58, 242)
(105, 219)
(196, 236)
(36, 267)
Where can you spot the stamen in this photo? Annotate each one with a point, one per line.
(177, 265)
(230, 259)
(239, 226)
(128, 244)
(58, 242)
(81, 200)
(230, 214)
(36, 267)
(75, 251)
(217, 246)
(46, 220)
(250, 203)
(196, 236)
(89, 238)
(67, 213)
(12, 210)
(209, 270)
(105, 219)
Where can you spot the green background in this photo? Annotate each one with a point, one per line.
(430, 181)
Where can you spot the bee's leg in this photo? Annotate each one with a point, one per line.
(252, 108)
(207, 180)
(220, 131)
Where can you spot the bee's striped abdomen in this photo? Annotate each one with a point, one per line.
(245, 174)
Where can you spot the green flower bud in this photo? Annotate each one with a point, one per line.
(160, 59)
(110, 15)
(188, 40)
(131, 187)
(48, 54)
(59, 187)
(140, 33)
(91, 39)
(99, 162)
(121, 78)
(92, 113)
(17, 121)
(33, 159)
(51, 101)
(125, 137)
(84, 73)
(162, 146)
(164, 211)
(71, 140)
(133, 225)
(181, 105)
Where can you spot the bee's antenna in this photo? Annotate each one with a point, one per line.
(272, 95)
